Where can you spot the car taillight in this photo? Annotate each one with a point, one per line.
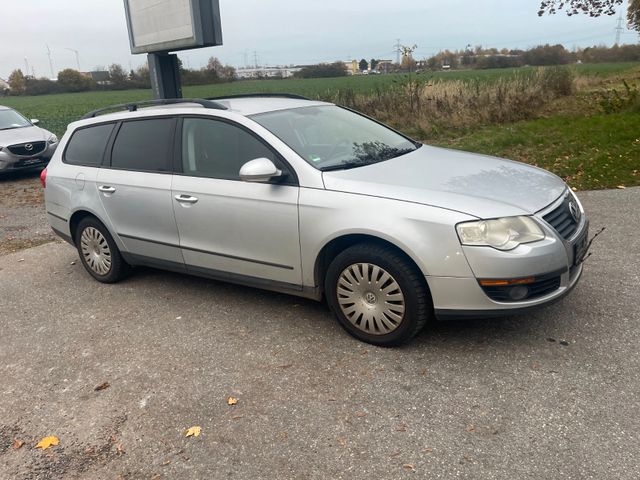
(43, 178)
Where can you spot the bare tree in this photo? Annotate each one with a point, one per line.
(593, 8)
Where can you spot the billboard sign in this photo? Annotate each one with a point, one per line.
(171, 25)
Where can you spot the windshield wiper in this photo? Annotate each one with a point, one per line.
(363, 162)
(343, 166)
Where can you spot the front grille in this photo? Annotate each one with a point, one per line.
(537, 289)
(562, 220)
(28, 149)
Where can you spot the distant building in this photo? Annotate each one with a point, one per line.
(267, 72)
(353, 67)
(101, 77)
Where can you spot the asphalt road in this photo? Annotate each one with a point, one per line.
(554, 394)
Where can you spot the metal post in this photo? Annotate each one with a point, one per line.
(165, 75)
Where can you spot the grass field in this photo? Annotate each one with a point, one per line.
(590, 150)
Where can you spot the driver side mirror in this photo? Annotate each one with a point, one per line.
(259, 170)
(35, 121)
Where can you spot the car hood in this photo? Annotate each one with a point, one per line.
(23, 135)
(478, 185)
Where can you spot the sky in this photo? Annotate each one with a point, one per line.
(283, 32)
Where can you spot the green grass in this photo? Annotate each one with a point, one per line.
(594, 152)
(56, 111)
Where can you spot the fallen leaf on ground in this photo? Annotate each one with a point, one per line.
(361, 414)
(47, 442)
(409, 466)
(288, 365)
(427, 450)
(17, 444)
(102, 386)
(471, 428)
(622, 187)
(164, 464)
(232, 401)
(193, 432)
(120, 449)
(395, 454)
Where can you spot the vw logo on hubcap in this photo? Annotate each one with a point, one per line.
(370, 298)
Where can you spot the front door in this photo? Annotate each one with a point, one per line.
(244, 231)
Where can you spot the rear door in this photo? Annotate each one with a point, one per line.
(135, 189)
(229, 226)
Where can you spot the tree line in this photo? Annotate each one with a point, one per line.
(543, 55)
(116, 78)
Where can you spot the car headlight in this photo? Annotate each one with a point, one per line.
(500, 233)
(53, 139)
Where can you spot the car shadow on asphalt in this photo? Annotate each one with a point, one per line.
(511, 331)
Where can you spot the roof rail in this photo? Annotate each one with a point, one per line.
(133, 106)
(258, 95)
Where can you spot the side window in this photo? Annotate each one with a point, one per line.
(144, 145)
(216, 149)
(87, 145)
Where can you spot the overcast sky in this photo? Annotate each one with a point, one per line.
(288, 32)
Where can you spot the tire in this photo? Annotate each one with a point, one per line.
(357, 282)
(98, 252)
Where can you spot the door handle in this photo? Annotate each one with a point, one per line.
(106, 189)
(186, 199)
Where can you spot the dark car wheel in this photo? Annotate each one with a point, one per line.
(377, 294)
(98, 252)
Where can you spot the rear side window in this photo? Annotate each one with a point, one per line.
(144, 145)
(87, 145)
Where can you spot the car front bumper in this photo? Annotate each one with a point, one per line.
(11, 163)
(551, 260)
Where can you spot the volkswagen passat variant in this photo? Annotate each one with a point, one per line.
(23, 145)
(308, 198)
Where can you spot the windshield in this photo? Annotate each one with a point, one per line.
(12, 119)
(333, 138)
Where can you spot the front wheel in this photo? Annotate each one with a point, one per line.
(377, 294)
(98, 252)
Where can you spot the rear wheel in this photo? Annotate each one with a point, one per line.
(98, 252)
(377, 294)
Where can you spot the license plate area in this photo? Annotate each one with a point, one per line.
(29, 161)
(580, 247)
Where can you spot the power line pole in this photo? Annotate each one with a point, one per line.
(26, 64)
(619, 29)
(398, 50)
(50, 61)
(255, 59)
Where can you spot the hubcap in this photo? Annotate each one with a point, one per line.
(370, 298)
(95, 251)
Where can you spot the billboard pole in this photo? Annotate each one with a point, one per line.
(165, 75)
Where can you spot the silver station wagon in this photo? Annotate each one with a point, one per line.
(312, 199)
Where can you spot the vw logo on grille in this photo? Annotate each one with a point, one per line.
(575, 211)
(28, 147)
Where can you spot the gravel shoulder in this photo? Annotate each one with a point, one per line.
(23, 222)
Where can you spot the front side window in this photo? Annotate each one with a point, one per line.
(87, 145)
(10, 119)
(333, 138)
(144, 145)
(216, 149)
